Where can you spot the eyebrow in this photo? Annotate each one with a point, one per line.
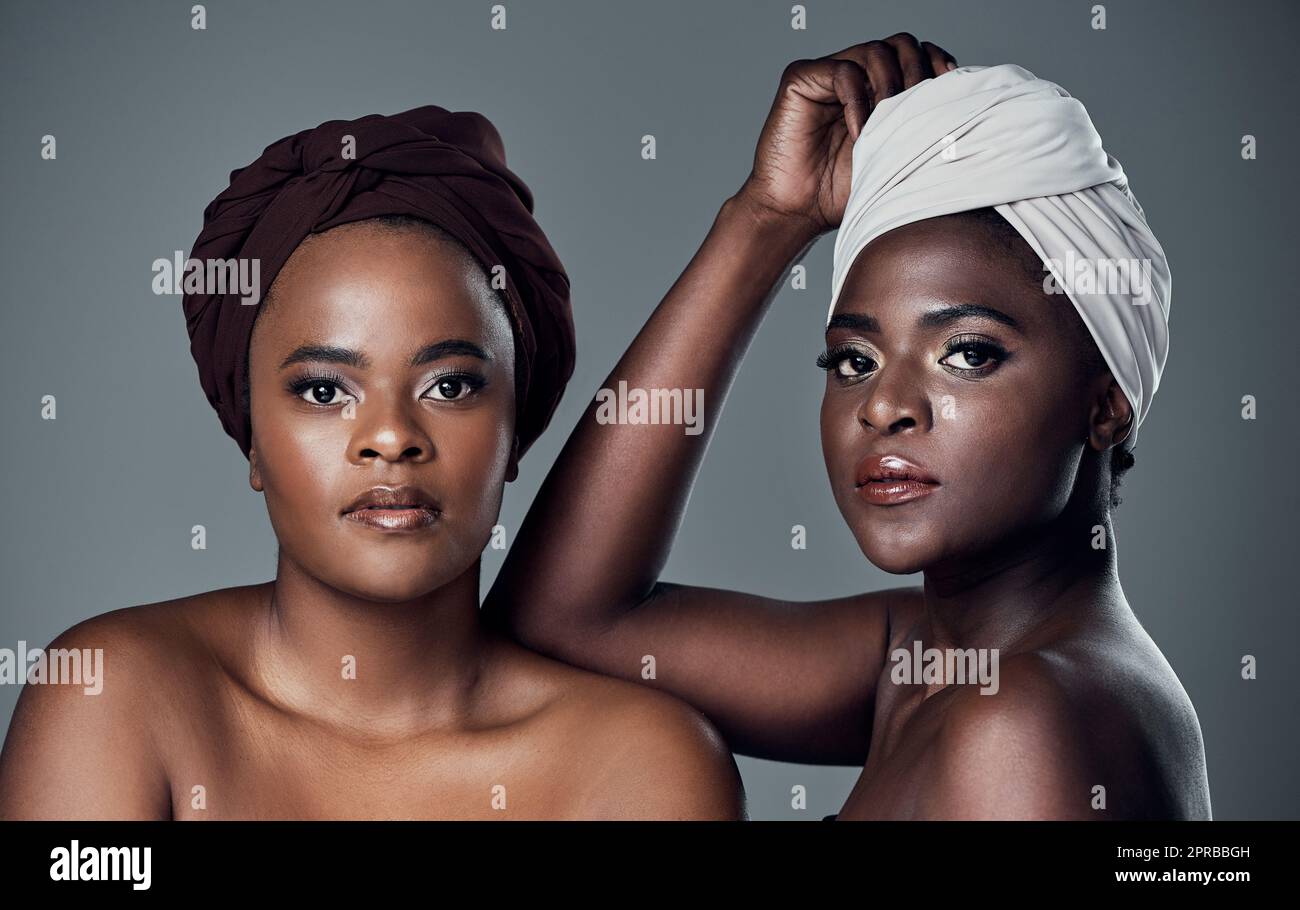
(945, 315)
(440, 349)
(932, 319)
(859, 321)
(325, 353)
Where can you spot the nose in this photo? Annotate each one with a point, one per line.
(390, 430)
(896, 400)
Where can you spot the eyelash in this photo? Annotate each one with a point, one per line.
(474, 381)
(831, 359)
(300, 386)
(989, 350)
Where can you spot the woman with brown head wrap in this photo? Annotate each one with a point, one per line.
(413, 341)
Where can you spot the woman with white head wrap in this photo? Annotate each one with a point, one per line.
(979, 380)
(997, 136)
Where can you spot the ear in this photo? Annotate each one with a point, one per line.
(254, 472)
(512, 467)
(1110, 421)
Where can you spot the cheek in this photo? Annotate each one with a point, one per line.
(1009, 453)
(302, 475)
(1006, 454)
(473, 454)
(840, 431)
(844, 444)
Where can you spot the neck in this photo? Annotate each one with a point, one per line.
(997, 598)
(381, 667)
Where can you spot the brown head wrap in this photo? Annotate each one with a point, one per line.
(445, 167)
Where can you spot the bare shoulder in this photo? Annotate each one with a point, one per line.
(638, 753)
(1073, 733)
(1017, 752)
(655, 757)
(163, 643)
(85, 740)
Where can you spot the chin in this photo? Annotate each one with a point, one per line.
(894, 556)
(400, 581)
(898, 564)
(387, 589)
(894, 547)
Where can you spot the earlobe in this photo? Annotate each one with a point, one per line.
(1112, 419)
(1125, 429)
(254, 472)
(1117, 425)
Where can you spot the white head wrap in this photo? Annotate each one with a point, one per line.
(998, 136)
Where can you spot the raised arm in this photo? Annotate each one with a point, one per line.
(780, 679)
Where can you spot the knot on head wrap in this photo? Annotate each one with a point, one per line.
(445, 167)
(999, 137)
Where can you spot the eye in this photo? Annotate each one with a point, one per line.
(455, 387)
(972, 354)
(846, 363)
(320, 391)
(973, 358)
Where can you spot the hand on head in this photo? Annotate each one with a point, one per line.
(805, 151)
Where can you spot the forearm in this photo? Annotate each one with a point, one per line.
(601, 528)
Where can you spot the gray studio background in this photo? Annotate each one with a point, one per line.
(151, 116)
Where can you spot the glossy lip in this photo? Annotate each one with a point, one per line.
(401, 508)
(890, 480)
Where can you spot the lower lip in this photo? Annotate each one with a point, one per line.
(895, 492)
(393, 519)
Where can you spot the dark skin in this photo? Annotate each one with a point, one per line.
(1020, 442)
(241, 691)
